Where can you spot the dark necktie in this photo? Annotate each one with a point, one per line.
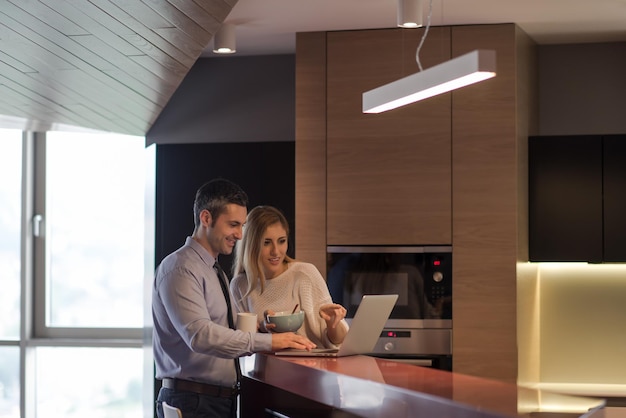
(221, 276)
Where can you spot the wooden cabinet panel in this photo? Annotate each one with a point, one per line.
(614, 198)
(311, 148)
(565, 200)
(487, 166)
(388, 174)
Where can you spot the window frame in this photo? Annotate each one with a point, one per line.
(33, 332)
(89, 336)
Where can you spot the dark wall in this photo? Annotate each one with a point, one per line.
(232, 117)
(266, 171)
(582, 89)
(231, 99)
(246, 99)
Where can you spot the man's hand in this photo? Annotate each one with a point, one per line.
(290, 340)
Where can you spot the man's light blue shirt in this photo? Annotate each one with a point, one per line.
(191, 338)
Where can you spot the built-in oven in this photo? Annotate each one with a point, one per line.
(419, 329)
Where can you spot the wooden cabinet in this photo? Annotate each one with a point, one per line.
(490, 125)
(565, 198)
(576, 198)
(389, 179)
(388, 174)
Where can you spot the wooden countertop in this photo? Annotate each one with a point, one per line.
(363, 386)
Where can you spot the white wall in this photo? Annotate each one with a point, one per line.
(574, 335)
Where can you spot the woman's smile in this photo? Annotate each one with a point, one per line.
(273, 250)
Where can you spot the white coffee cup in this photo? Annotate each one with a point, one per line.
(246, 321)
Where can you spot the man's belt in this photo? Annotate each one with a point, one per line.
(201, 388)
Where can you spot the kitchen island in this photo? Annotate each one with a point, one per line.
(363, 386)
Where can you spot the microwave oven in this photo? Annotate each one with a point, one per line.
(421, 276)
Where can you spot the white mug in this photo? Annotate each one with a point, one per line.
(246, 321)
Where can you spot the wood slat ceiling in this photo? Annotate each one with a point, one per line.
(109, 65)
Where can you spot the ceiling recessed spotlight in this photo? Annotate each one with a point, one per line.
(410, 13)
(224, 40)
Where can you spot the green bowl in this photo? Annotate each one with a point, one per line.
(285, 321)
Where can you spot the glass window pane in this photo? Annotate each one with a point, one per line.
(89, 382)
(10, 229)
(95, 229)
(9, 382)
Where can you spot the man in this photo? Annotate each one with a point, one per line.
(194, 344)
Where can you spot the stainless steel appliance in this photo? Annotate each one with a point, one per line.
(419, 330)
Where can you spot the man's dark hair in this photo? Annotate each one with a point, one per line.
(214, 195)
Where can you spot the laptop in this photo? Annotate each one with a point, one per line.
(365, 328)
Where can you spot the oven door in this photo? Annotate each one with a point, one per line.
(420, 276)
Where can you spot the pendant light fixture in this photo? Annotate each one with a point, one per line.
(224, 39)
(467, 69)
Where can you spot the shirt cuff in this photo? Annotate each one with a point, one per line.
(261, 342)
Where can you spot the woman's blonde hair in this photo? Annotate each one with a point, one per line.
(248, 252)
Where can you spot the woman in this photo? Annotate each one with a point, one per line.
(267, 280)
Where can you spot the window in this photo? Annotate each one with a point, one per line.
(9, 382)
(93, 215)
(10, 221)
(112, 387)
(10, 271)
(76, 240)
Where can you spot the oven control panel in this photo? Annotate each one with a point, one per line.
(390, 333)
(404, 342)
